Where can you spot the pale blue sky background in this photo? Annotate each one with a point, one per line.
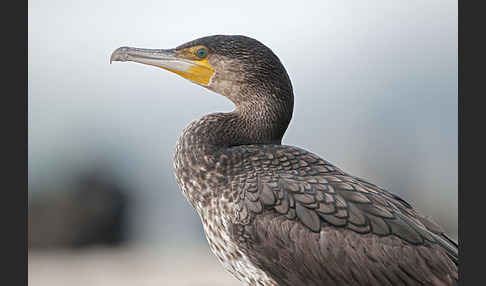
(375, 86)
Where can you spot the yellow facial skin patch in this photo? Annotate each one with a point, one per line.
(197, 70)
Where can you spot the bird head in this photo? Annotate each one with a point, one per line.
(237, 67)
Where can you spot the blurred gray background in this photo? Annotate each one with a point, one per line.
(375, 86)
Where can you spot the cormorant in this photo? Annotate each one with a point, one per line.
(279, 215)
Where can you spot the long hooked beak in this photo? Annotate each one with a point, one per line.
(197, 71)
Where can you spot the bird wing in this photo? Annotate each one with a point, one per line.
(302, 187)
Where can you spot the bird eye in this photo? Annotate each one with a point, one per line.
(202, 53)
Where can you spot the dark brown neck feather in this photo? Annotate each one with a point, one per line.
(256, 122)
(263, 122)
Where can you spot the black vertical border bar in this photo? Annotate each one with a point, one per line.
(14, 187)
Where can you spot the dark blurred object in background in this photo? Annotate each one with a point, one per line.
(93, 210)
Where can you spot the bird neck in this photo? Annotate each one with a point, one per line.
(250, 123)
(261, 122)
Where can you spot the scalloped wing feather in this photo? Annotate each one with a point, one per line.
(318, 195)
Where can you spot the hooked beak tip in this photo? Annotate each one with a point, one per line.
(119, 55)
